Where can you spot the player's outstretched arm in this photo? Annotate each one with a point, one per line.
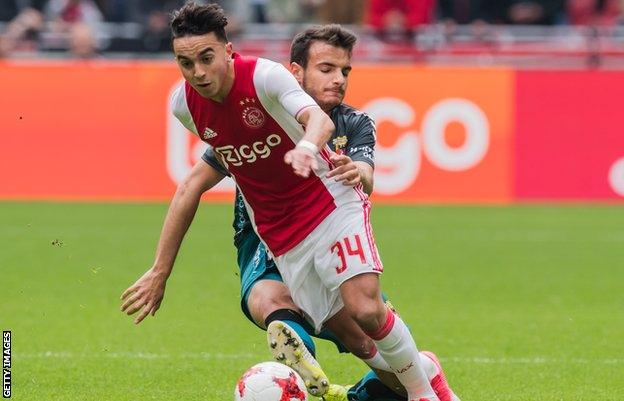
(282, 86)
(146, 294)
(352, 172)
(318, 129)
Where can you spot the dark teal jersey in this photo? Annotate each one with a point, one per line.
(354, 136)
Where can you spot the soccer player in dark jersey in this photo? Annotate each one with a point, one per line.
(146, 295)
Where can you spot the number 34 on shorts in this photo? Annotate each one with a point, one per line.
(350, 252)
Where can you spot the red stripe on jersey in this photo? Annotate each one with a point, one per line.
(377, 265)
(325, 154)
(359, 190)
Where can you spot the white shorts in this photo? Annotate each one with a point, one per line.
(341, 247)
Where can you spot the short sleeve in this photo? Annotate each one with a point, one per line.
(362, 138)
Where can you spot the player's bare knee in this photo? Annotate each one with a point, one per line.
(268, 296)
(278, 301)
(368, 315)
(367, 310)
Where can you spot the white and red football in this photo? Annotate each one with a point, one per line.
(270, 381)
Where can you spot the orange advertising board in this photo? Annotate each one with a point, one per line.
(84, 131)
(103, 131)
(443, 134)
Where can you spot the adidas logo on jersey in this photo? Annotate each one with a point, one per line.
(208, 133)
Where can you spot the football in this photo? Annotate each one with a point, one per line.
(270, 381)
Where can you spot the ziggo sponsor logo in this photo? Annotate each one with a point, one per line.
(400, 164)
(248, 153)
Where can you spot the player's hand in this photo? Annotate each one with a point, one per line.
(302, 160)
(346, 170)
(145, 295)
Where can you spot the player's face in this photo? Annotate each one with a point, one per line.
(326, 76)
(206, 63)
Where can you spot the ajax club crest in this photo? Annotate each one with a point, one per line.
(253, 117)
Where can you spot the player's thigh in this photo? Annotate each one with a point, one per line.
(255, 266)
(265, 297)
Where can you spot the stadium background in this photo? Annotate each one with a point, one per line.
(499, 187)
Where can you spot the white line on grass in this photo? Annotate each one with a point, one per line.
(533, 360)
(208, 356)
(129, 355)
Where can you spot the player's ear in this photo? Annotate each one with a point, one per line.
(297, 71)
(229, 50)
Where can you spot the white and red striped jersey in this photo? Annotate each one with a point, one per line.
(250, 132)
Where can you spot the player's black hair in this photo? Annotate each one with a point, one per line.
(194, 20)
(332, 34)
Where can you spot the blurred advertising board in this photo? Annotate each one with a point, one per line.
(103, 131)
(569, 135)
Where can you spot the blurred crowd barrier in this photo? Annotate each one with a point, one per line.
(521, 33)
(562, 46)
(102, 130)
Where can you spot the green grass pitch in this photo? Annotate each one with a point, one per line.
(522, 303)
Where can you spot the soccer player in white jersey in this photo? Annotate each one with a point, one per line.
(251, 111)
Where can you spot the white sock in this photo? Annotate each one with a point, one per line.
(431, 369)
(396, 346)
(377, 362)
